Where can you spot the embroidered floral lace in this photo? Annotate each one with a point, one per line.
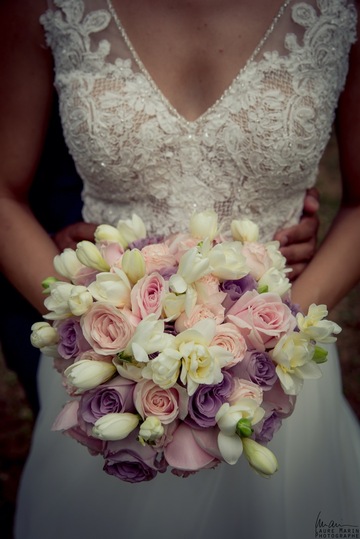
(253, 153)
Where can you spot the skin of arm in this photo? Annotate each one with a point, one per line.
(335, 269)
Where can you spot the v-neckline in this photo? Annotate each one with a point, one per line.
(145, 72)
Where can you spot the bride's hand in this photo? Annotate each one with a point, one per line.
(298, 243)
(72, 234)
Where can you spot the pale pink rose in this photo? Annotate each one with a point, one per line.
(185, 453)
(107, 329)
(257, 258)
(158, 256)
(244, 389)
(200, 312)
(228, 336)
(208, 290)
(276, 400)
(165, 404)
(147, 295)
(262, 318)
(111, 252)
(179, 244)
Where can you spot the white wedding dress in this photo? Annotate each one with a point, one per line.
(253, 153)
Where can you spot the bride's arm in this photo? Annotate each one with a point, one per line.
(26, 90)
(336, 267)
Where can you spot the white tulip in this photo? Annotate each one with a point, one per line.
(227, 261)
(133, 264)
(131, 229)
(204, 225)
(68, 264)
(87, 374)
(244, 230)
(113, 288)
(116, 426)
(43, 334)
(108, 233)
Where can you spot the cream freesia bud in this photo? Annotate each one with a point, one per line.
(108, 233)
(259, 457)
(204, 225)
(192, 266)
(244, 230)
(131, 229)
(133, 264)
(43, 334)
(58, 301)
(151, 430)
(67, 264)
(116, 426)
(315, 327)
(80, 300)
(90, 256)
(87, 374)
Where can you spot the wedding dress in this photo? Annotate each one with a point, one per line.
(253, 153)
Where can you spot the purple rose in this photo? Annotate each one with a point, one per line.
(268, 428)
(129, 461)
(206, 401)
(236, 288)
(113, 397)
(259, 368)
(72, 341)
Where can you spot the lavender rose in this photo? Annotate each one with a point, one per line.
(113, 397)
(268, 428)
(72, 341)
(206, 401)
(259, 368)
(236, 288)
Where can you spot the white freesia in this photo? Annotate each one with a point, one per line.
(315, 327)
(113, 288)
(164, 369)
(108, 233)
(131, 229)
(274, 280)
(87, 374)
(43, 334)
(192, 266)
(67, 264)
(80, 300)
(133, 264)
(90, 256)
(278, 260)
(129, 370)
(149, 337)
(173, 305)
(293, 355)
(244, 230)
(227, 261)
(260, 458)
(201, 362)
(115, 426)
(57, 301)
(151, 430)
(227, 418)
(204, 225)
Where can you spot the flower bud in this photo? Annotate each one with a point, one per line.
(87, 374)
(131, 229)
(150, 430)
(259, 457)
(116, 426)
(90, 256)
(244, 230)
(108, 233)
(80, 300)
(67, 264)
(133, 264)
(43, 334)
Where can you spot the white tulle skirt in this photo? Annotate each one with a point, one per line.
(64, 493)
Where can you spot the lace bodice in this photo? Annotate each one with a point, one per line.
(253, 153)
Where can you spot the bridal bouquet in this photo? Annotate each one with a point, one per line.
(178, 352)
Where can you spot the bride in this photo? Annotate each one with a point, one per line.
(171, 106)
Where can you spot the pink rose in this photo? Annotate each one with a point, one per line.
(244, 389)
(262, 318)
(107, 328)
(157, 256)
(110, 251)
(147, 295)
(200, 312)
(257, 258)
(228, 336)
(180, 244)
(165, 404)
(184, 452)
(208, 290)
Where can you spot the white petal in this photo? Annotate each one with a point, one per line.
(231, 447)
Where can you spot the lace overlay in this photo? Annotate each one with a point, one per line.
(253, 153)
